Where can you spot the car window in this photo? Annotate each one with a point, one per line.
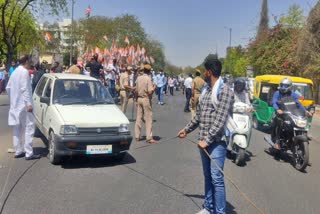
(80, 92)
(41, 85)
(48, 89)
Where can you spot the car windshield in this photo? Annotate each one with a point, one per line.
(89, 92)
(303, 90)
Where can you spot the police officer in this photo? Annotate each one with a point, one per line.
(197, 85)
(125, 88)
(144, 90)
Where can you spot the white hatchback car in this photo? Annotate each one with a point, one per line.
(77, 115)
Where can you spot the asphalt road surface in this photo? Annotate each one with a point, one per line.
(162, 178)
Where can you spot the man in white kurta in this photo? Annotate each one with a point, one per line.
(20, 114)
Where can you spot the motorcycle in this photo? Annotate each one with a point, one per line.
(239, 139)
(292, 134)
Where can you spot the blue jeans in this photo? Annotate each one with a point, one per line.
(215, 194)
(160, 94)
(111, 87)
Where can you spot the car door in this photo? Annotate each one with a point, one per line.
(36, 101)
(46, 116)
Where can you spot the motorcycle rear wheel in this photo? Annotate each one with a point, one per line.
(301, 155)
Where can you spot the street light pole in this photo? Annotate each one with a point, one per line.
(230, 31)
(230, 35)
(71, 42)
(230, 38)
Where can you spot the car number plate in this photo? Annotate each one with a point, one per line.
(99, 149)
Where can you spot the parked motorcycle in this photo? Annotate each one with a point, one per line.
(292, 134)
(239, 139)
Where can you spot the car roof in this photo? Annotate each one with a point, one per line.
(277, 78)
(70, 76)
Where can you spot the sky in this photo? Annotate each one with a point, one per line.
(191, 29)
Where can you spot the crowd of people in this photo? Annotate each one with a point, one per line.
(140, 83)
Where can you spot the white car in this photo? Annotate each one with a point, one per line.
(77, 115)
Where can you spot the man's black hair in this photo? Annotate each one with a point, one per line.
(146, 71)
(214, 65)
(24, 59)
(74, 61)
(95, 57)
(190, 75)
(198, 74)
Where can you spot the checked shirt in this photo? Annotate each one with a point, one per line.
(211, 121)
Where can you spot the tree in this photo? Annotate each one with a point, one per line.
(264, 20)
(275, 52)
(17, 23)
(308, 51)
(294, 18)
(236, 61)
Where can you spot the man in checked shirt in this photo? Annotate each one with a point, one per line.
(211, 120)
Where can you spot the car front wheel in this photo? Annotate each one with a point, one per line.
(53, 156)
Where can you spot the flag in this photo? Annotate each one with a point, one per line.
(106, 52)
(138, 50)
(147, 59)
(47, 37)
(143, 51)
(126, 40)
(105, 37)
(151, 59)
(97, 50)
(88, 11)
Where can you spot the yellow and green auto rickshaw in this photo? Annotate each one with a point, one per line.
(264, 88)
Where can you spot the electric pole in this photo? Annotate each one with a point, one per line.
(71, 36)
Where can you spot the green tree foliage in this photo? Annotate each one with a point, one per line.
(275, 52)
(17, 24)
(308, 52)
(294, 17)
(236, 61)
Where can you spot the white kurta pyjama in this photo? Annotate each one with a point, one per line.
(20, 95)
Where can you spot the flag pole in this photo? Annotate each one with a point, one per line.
(71, 48)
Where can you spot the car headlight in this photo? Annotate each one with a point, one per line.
(301, 123)
(123, 128)
(68, 130)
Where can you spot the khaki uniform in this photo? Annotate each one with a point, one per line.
(124, 80)
(144, 109)
(197, 84)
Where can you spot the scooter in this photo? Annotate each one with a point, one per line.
(239, 140)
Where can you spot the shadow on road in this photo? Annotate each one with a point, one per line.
(78, 162)
(230, 207)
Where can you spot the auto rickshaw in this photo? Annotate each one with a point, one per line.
(264, 88)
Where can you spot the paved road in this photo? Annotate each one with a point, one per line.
(162, 178)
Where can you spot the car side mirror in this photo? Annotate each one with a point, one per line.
(45, 100)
